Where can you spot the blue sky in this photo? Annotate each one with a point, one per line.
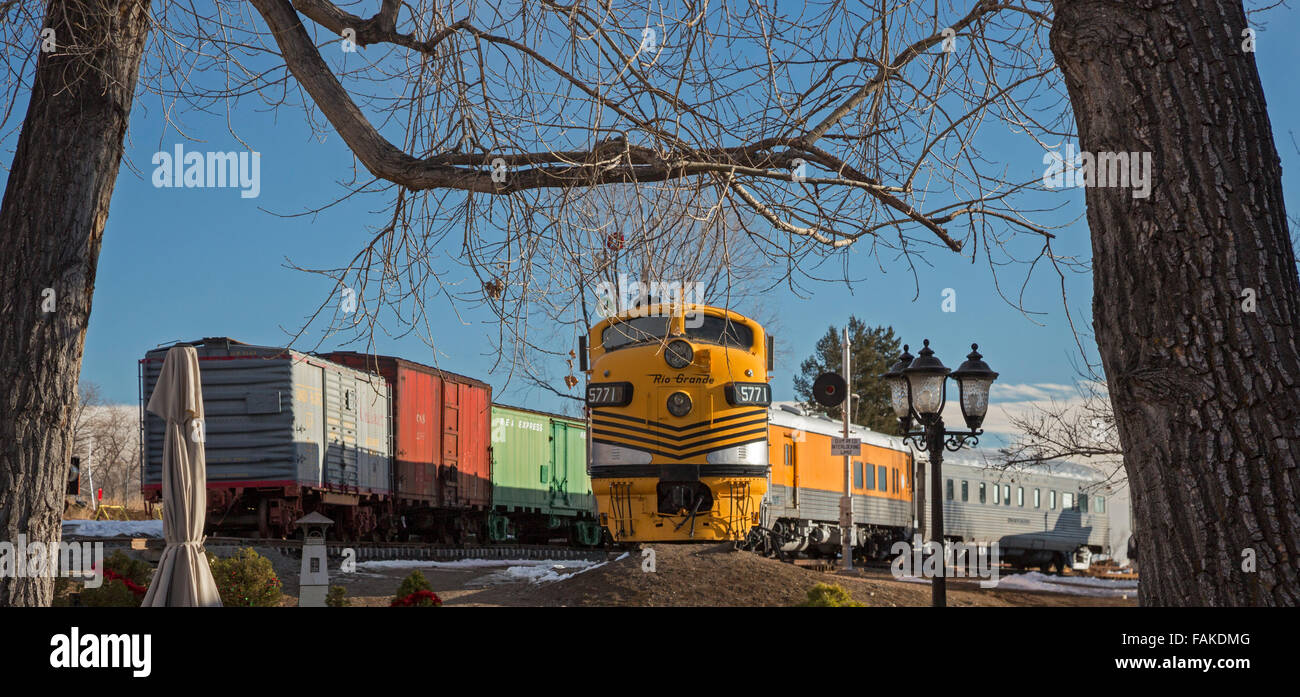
(180, 264)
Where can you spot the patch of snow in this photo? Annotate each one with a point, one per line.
(469, 563)
(113, 528)
(1070, 585)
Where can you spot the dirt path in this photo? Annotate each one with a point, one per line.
(690, 576)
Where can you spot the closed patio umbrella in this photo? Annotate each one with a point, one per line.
(183, 578)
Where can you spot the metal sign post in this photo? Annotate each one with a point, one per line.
(846, 531)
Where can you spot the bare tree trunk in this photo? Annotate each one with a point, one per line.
(1196, 300)
(51, 225)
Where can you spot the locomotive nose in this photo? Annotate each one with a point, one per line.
(676, 498)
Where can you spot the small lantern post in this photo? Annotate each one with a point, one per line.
(918, 389)
(313, 579)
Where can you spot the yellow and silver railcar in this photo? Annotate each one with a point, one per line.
(677, 398)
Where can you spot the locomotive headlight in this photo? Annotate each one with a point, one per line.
(678, 354)
(679, 404)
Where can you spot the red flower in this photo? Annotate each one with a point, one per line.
(416, 598)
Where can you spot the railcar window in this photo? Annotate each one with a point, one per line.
(1038, 499)
(997, 494)
(965, 490)
(1006, 493)
(982, 494)
(1067, 501)
(949, 489)
(1020, 496)
(898, 485)
(721, 331)
(883, 476)
(1083, 503)
(857, 475)
(1099, 505)
(1051, 499)
(634, 331)
(871, 477)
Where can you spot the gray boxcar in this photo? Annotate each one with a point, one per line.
(285, 433)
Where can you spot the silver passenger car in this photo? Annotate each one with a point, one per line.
(1048, 518)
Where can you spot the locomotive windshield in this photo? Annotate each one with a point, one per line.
(711, 330)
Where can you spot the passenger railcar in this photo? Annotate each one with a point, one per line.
(802, 510)
(540, 487)
(284, 433)
(1046, 519)
(677, 397)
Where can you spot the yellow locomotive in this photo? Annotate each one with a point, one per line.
(678, 396)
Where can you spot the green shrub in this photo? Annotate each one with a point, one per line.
(827, 595)
(415, 591)
(337, 597)
(246, 580)
(126, 590)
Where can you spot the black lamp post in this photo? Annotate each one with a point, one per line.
(918, 388)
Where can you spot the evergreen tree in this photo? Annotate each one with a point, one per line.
(873, 350)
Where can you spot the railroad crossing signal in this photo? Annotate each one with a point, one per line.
(829, 389)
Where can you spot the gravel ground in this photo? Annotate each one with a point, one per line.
(684, 575)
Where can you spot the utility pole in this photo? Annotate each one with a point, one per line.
(847, 531)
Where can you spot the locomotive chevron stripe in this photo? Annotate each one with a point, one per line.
(760, 420)
(687, 456)
(669, 427)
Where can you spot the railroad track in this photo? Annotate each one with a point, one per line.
(368, 551)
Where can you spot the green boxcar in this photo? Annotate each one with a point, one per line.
(540, 487)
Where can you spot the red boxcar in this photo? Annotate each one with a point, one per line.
(441, 424)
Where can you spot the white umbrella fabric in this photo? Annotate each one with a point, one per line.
(183, 578)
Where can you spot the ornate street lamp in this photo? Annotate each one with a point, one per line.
(917, 393)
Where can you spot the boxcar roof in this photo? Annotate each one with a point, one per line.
(444, 374)
(553, 415)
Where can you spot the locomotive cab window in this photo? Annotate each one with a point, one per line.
(712, 329)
